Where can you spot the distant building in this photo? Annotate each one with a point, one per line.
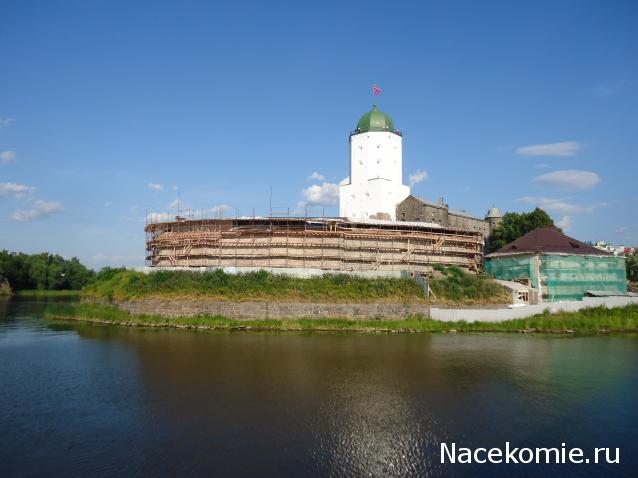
(414, 209)
(615, 250)
(559, 266)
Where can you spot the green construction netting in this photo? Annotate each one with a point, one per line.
(510, 268)
(566, 277)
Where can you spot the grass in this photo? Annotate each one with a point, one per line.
(586, 321)
(43, 294)
(458, 287)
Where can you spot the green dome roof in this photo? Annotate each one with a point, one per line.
(375, 120)
(494, 212)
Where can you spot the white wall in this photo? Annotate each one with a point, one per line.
(376, 176)
(500, 315)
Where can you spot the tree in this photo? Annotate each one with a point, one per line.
(515, 225)
(632, 267)
(43, 271)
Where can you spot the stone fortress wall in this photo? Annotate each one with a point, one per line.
(418, 210)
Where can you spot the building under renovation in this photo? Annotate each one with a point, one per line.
(558, 266)
(367, 238)
(323, 244)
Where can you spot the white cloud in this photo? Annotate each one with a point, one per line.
(14, 190)
(175, 188)
(325, 195)
(156, 186)
(159, 217)
(7, 156)
(316, 177)
(565, 148)
(570, 179)
(117, 260)
(623, 230)
(562, 205)
(108, 203)
(212, 212)
(610, 89)
(218, 210)
(417, 177)
(346, 180)
(39, 210)
(559, 205)
(300, 208)
(6, 121)
(565, 223)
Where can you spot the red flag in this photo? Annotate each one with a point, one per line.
(376, 90)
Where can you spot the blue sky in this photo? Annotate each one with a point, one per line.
(109, 110)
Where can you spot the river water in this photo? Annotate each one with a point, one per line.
(88, 400)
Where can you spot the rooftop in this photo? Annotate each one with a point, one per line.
(375, 120)
(546, 240)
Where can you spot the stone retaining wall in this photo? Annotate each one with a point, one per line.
(272, 310)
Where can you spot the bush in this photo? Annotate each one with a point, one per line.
(125, 284)
(459, 286)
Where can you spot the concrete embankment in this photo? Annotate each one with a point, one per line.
(257, 310)
(503, 314)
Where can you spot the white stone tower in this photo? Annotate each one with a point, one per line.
(375, 184)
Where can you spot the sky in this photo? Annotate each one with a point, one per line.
(111, 111)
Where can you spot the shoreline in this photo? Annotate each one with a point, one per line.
(597, 321)
(250, 328)
(44, 294)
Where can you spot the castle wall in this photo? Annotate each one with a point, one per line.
(413, 209)
(337, 246)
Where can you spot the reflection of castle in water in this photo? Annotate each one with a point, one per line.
(364, 404)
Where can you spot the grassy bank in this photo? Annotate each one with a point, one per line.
(587, 321)
(44, 294)
(454, 286)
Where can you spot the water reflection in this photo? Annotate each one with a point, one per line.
(161, 402)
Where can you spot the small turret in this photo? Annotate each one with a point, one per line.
(494, 217)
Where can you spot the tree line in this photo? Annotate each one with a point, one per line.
(515, 226)
(43, 271)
